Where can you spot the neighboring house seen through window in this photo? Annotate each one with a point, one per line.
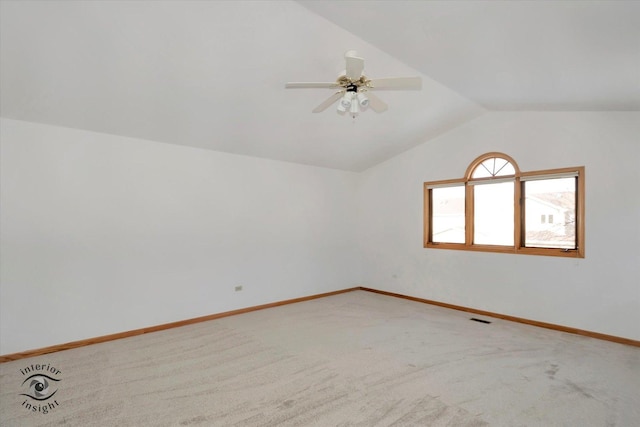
(498, 208)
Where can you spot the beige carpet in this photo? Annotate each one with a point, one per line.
(355, 359)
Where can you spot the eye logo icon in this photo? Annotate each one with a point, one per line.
(41, 387)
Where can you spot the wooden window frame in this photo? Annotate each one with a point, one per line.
(518, 229)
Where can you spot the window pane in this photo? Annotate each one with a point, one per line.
(447, 215)
(554, 199)
(493, 214)
(494, 166)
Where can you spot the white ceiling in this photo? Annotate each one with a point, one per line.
(510, 55)
(211, 74)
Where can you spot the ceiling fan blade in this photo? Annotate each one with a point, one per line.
(377, 104)
(327, 103)
(310, 85)
(355, 66)
(396, 83)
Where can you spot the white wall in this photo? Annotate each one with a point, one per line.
(600, 293)
(103, 234)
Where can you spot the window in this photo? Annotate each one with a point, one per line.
(498, 208)
(448, 214)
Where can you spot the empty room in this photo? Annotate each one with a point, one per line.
(319, 213)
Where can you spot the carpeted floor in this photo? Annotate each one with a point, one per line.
(355, 359)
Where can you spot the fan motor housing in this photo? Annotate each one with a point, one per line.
(352, 85)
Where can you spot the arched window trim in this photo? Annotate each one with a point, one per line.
(518, 178)
(480, 159)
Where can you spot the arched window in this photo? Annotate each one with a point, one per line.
(498, 208)
(492, 167)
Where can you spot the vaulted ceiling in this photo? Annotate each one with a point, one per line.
(211, 74)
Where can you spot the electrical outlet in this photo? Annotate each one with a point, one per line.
(238, 288)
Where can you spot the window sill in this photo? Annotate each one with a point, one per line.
(507, 250)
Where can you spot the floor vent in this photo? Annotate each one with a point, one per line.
(479, 320)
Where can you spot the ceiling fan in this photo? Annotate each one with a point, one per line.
(355, 88)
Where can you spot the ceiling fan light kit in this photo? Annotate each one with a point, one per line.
(354, 108)
(346, 100)
(363, 100)
(352, 86)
